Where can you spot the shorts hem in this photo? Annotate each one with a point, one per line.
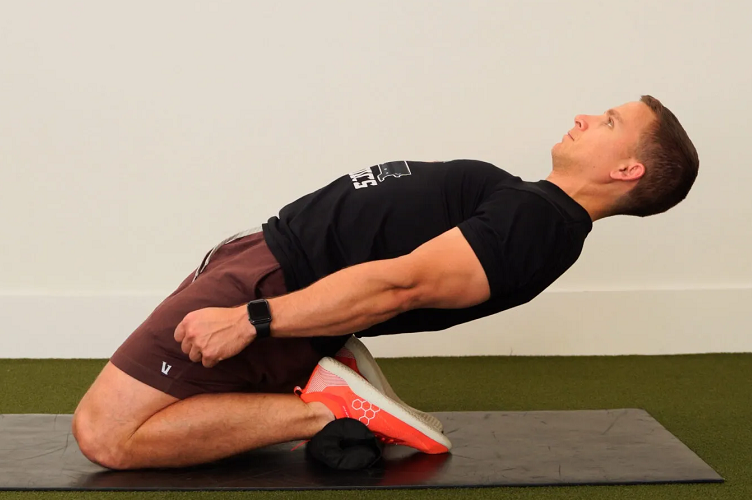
(146, 376)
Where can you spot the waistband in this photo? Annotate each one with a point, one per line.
(232, 238)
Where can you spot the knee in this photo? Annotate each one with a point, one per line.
(96, 442)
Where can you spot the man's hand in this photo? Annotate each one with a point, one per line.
(213, 334)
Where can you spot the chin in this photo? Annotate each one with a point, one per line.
(561, 163)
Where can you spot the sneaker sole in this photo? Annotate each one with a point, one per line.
(363, 389)
(371, 371)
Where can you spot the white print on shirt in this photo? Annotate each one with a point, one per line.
(367, 174)
(165, 368)
(394, 169)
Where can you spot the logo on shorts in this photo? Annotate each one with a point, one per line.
(165, 368)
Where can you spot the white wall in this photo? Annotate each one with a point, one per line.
(135, 135)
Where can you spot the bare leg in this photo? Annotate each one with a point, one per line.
(122, 423)
(213, 426)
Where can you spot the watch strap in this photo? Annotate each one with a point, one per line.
(263, 330)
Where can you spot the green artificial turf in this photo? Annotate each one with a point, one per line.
(704, 400)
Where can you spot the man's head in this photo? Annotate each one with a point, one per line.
(637, 153)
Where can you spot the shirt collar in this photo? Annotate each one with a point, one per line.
(575, 211)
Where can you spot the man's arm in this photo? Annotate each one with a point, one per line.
(442, 273)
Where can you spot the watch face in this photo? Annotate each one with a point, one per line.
(259, 311)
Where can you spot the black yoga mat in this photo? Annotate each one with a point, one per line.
(627, 446)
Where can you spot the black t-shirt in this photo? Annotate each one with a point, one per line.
(525, 234)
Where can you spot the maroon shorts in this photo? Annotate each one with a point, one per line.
(235, 272)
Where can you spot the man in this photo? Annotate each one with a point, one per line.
(399, 247)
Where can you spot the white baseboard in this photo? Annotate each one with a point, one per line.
(613, 322)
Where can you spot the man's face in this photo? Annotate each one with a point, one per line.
(598, 145)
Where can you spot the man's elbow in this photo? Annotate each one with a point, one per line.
(416, 292)
(407, 299)
(406, 286)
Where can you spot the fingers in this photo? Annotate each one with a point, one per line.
(186, 346)
(195, 354)
(210, 357)
(180, 332)
(208, 360)
(181, 335)
(196, 335)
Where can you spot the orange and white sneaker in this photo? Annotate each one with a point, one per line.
(355, 355)
(349, 395)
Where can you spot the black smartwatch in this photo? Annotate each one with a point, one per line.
(260, 317)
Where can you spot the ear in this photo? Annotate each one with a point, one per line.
(628, 172)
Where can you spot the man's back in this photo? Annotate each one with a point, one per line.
(525, 234)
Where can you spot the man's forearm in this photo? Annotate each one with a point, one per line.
(345, 302)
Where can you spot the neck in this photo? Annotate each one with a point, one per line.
(582, 192)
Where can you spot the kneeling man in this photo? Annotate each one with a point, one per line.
(256, 346)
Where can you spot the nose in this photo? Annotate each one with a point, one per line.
(580, 122)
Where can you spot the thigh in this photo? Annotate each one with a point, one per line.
(237, 272)
(116, 405)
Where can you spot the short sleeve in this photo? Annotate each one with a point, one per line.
(515, 235)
